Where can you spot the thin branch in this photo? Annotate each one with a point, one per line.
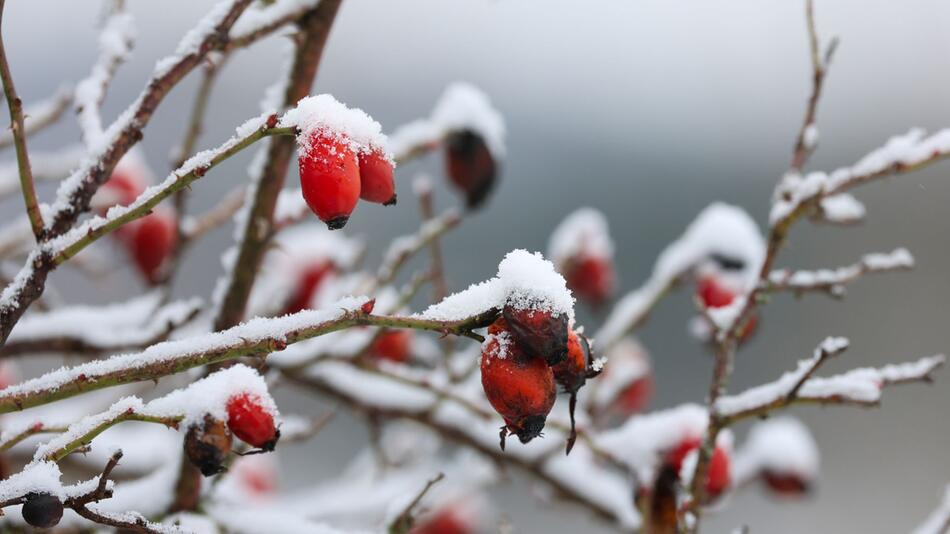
(245, 340)
(833, 281)
(8, 442)
(806, 141)
(37, 117)
(404, 522)
(938, 522)
(423, 188)
(404, 248)
(19, 140)
(222, 212)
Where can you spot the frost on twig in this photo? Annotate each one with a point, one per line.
(859, 386)
(833, 281)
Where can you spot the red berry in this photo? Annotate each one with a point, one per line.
(376, 178)
(675, 457)
(540, 333)
(518, 386)
(251, 423)
(307, 286)
(718, 474)
(330, 178)
(635, 397)
(152, 241)
(124, 186)
(591, 279)
(446, 521)
(785, 484)
(714, 293)
(470, 166)
(393, 345)
(571, 373)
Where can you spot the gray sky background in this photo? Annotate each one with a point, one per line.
(647, 110)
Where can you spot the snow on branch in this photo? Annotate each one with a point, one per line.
(938, 522)
(833, 281)
(403, 248)
(842, 208)
(115, 46)
(462, 107)
(97, 330)
(263, 18)
(900, 154)
(859, 386)
(721, 230)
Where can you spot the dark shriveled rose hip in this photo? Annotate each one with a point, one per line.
(572, 374)
(207, 445)
(42, 510)
(539, 332)
(470, 166)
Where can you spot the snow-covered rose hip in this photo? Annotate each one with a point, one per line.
(330, 177)
(151, 241)
(591, 278)
(470, 166)
(207, 445)
(581, 248)
(252, 422)
(42, 510)
(376, 177)
(519, 386)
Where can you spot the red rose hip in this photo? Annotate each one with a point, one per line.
(330, 178)
(470, 166)
(251, 422)
(151, 241)
(376, 178)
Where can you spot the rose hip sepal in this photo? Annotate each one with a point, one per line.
(572, 374)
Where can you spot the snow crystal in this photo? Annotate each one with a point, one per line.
(465, 107)
(500, 344)
(326, 115)
(582, 233)
(781, 445)
(524, 280)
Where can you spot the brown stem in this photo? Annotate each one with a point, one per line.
(15, 106)
(314, 31)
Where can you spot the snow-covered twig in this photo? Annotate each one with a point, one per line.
(938, 522)
(256, 337)
(405, 247)
(807, 139)
(9, 439)
(833, 281)
(404, 522)
(423, 189)
(18, 132)
(115, 46)
(38, 116)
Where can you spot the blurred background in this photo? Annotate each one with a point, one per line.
(647, 110)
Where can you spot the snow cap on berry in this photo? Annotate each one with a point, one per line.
(584, 232)
(325, 115)
(464, 107)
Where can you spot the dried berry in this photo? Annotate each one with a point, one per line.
(251, 422)
(330, 178)
(541, 333)
(470, 166)
(519, 386)
(572, 374)
(207, 445)
(42, 510)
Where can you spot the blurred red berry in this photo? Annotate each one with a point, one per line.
(591, 278)
(470, 166)
(785, 484)
(393, 345)
(307, 286)
(251, 422)
(446, 521)
(719, 472)
(330, 178)
(151, 241)
(714, 293)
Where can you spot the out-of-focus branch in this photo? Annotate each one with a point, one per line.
(406, 519)
(19, 139)
(196, 227)
(7, 442)
(405, 247)
(833, 281)
(423, 188)
(39, 116)
(258, 225)
(938, 522)
(808, 135)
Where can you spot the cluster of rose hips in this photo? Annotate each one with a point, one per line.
(208, 442)
(529, 351)
(335, 175)
(149, 240)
